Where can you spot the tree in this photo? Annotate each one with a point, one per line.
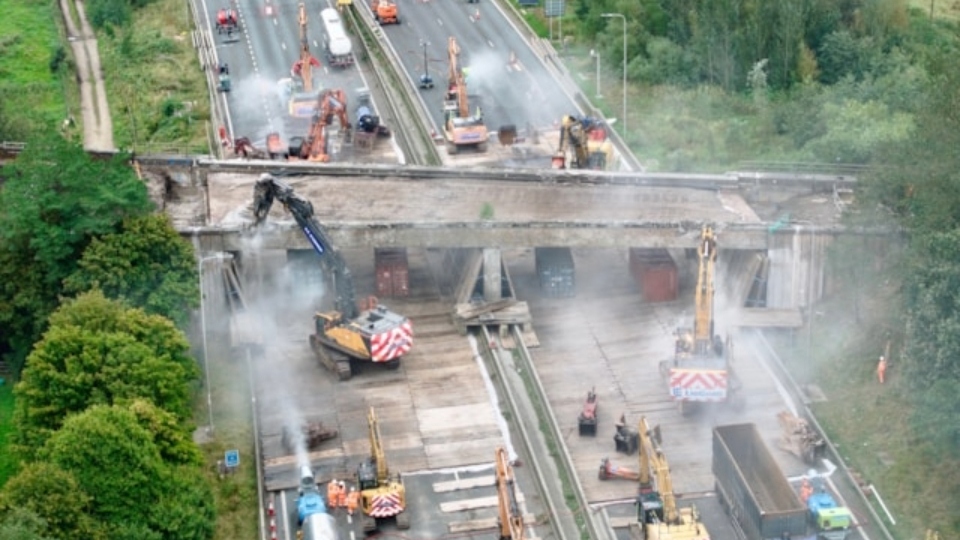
(137, 495)
(54, 201)
(147, 263)
(99, 352)
(53, 496)
(22, 524)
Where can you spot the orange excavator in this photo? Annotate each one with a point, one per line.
(385, 12)
(305, 95)
(460, 129)
(330, 104)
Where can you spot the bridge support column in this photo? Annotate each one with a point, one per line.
(492, 277)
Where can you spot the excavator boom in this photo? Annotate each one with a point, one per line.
(376, 448)
(707, 253)
(510, 518)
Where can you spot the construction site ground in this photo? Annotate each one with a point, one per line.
(439, 421)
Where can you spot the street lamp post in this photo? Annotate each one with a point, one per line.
(596, 54)
(620, 15)
(203, 335)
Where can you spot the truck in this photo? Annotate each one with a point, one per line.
(752, 488)
(336, 42)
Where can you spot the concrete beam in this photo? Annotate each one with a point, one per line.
(505, 235)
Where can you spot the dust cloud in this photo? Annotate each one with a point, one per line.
(277, 296)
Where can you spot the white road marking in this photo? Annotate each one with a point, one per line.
(283, 45)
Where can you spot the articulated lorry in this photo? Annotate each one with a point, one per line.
(752, 488)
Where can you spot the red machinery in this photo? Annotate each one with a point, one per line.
(330, 104)
(303, 68)
(587, 421)
(227, 21)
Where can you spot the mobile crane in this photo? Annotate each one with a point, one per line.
(381, 496)
(347, 333)
(304, 95)
(460, 129)
(700, 370)
(583, 145)
(510, 519)
(658, 516)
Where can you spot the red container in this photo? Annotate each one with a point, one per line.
(655, 273)
(393, 274)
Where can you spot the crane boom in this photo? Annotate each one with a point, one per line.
(456, 77)
(511, 518)
(268, 189)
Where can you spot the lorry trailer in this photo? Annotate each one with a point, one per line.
(752, 488)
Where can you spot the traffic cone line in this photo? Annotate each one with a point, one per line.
(273, 526)
(270, 511)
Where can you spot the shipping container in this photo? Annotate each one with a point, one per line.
(392, 270)
(655, 273)
(556, 272)
(751, 486)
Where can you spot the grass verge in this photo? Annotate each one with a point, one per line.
(871, 424)
(34, 67)
(7, 464)
(236, 493)
(157, 91)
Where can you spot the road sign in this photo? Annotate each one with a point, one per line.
(554, 8)
(231, 458)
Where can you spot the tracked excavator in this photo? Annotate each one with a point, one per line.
(510, 518)
(658, 516)
(382, 496)
(460, 128)
(346, 334)
(303, 97)
(583, 145)
(330, 104)
(701, 370)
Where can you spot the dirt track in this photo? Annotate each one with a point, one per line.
(95, 113)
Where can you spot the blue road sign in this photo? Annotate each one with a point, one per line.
(231, 458)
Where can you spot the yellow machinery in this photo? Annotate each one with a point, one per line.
(460, 128)
(700, 371)
(583, 145)
(657, 512)
(381, 496)
(510, 520)
(303, 100)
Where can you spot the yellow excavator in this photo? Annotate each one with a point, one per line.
(460, 128)
(382, 496)
(658, 516)
(583, 145)
(701, 371)
(510, 520)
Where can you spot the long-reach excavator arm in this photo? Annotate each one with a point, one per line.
(376, 448)
(457, 81)
(511, 518)
(268, 189)
(304, 65)
(703, 323)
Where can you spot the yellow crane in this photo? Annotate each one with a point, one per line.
(700, 371)
(657, 511)
(510, 520)
(382, 496)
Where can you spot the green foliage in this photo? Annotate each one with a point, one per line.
(8, 463)
(108, 12)
(173, 441)
(147, 263)
(855, 130)
(22, 524)
(55, 200)
(54, 496)
(137, 494)
(99, 352)
(841, 54)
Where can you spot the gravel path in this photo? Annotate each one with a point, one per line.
(95, 113)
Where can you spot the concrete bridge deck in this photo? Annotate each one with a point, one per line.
(375, 206)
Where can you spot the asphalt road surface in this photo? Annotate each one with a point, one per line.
(504, 76)
(261, 54)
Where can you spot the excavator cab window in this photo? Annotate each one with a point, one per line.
(367, 475)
